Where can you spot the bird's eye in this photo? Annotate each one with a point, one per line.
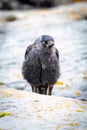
(46, 42)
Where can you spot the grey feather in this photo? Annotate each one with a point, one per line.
(41, 65)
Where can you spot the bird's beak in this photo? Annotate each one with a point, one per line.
(50, 44)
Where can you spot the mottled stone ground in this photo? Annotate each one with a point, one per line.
(38, 112)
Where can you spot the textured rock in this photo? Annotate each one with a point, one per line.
(33, 111)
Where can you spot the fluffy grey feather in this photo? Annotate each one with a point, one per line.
(41, 65)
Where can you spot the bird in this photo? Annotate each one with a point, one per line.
(41, 67)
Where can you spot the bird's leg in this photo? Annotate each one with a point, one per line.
(32, 86)
(43, 90)
(50, 90)
(36, 89)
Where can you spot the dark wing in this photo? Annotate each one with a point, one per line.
(28, 50)
(57, 53)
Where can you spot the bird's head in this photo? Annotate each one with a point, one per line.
(47, 41)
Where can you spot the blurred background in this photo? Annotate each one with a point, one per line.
(28, 4)
(22, 21)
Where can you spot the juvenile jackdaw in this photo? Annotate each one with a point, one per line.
(41, 65)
